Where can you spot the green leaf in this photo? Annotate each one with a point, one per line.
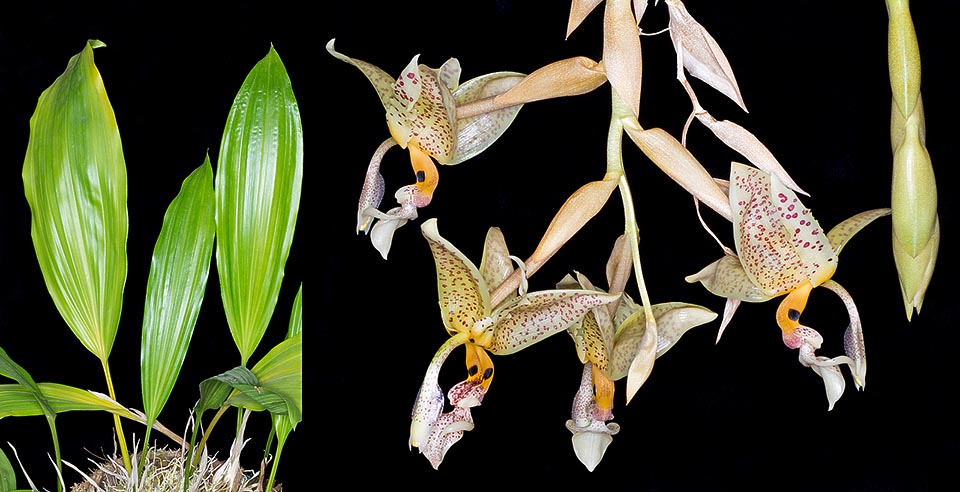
(283, 426)
(242, 388)
(14, 371)
(213, 392)
(279, 373)
(75, 181)
(258, 179)
(18, 401)
(8, 479)
(296, 314)
(175, 287)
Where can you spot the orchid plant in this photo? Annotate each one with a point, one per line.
(779, 248)
(74, 176)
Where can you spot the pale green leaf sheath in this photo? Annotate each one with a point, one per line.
(258, 181)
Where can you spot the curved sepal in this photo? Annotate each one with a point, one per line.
(430, 118)
(382, 81)
(496, 265)
(842, 232)
(777, 239)
(476, 133)
(529, 319)
(673, 320)
(727, 278)
(464, 297)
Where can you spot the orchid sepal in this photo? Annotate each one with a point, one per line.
(477, 132)
(673, 320)
(532, 318)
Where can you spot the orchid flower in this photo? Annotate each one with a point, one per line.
(470, 320)
(781, 250)
(424, 112)
(609, 354)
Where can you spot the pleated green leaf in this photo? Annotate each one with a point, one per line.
(18, 401)
(214, 391)
(280, 373)
(283, 425)
(75, 182)
(258, 180)
(8, 479)
(14, 371)
(296, 314)
(175, 287)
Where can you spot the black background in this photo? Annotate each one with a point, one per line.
(741, 414)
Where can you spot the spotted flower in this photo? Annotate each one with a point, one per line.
(781, 250)
(470, 320)
(424, 115)
(611, 341)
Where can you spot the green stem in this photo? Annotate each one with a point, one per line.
(615, 164)
(121, 440)
(206, 434)
(51, 421)
(143, 452)
(276, 460)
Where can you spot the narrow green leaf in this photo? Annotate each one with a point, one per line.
(8, 479)
(240, 387)
(14, 371)
(283, 426)
(213, 392)
(259, 173)
(175, 287)
(17, 401)
(279, 373)
(296, 314)
(75, 182)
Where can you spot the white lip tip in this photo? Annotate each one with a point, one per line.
(590, 447)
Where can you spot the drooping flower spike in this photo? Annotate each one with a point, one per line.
(470, 320)
(781, 250)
